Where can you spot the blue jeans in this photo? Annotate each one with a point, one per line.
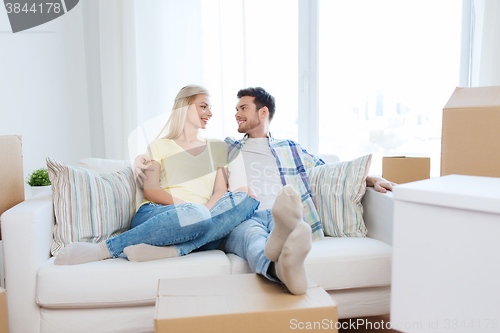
(188, 226)
(248, 241)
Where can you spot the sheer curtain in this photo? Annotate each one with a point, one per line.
(110, 52)
(224, 45)
(140, 53)
(485, 43)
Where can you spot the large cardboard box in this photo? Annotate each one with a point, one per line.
(445, 255)
(4, 318)
(471, 133)
(11, 173)
(240, 303)
(404, 169)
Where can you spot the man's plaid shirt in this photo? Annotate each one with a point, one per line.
(292, 164)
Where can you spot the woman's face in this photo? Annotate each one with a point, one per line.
(198, 113)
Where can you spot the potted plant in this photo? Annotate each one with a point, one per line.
(38, 180)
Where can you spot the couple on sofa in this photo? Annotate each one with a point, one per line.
(267, 217)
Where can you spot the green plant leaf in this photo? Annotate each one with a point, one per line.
(39, 177)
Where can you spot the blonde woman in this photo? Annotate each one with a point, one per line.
(186, 202)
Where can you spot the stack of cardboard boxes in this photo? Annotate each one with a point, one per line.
(11, 193)
(470, 143)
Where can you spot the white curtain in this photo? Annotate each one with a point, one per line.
(110, 51)
(140, 53)
(485, 43)
(187, 42)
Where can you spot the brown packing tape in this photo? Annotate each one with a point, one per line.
(4, 318)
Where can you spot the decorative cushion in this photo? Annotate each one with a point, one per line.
(88, 206)
(105, 165)
(337, 190)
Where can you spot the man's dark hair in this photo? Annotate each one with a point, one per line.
(262, 98)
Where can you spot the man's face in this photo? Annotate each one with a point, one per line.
(247, 115)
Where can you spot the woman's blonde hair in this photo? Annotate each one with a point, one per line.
(184, 98)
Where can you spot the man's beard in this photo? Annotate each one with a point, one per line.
(248, 126)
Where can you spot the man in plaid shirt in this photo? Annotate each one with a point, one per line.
(277, 238)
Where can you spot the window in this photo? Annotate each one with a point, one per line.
(386, 70)
(249, 44)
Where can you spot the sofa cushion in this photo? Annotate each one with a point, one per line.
(89, 207)
(341, 263)
(105, 165)
(238, 264)
(337, 190)
(349, 262)
(118, 282)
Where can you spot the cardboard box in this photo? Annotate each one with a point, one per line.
(403, 169)
(471, 135)
(4, 318)
(240, 303)
(11, 172)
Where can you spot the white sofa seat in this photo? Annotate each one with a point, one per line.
(118, 282)
(341, 263)
(350, 263)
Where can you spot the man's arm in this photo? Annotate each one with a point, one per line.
(379, 184)
(311, 160)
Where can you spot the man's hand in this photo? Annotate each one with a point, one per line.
(379, 184)
(141, 164)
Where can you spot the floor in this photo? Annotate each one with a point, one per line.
(375, 324)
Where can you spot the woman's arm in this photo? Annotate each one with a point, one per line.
(220, 187)
(140, 165)
(152, 190)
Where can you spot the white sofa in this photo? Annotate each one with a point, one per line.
(116, 295)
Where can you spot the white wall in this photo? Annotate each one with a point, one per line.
(43, 90)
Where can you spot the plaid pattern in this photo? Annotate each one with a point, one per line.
(293, 161)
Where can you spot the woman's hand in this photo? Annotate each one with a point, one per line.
(141, 164)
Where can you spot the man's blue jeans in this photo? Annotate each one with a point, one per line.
(248, 241)
(189, 226)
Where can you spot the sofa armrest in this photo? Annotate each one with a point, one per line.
(378, 214)
(27, 236)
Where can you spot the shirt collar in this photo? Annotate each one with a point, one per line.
(269, 136)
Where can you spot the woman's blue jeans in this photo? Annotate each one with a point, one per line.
(188, 226)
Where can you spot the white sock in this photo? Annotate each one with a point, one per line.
(287, 213)
(80, 252)
(146, 252)
(290, 268)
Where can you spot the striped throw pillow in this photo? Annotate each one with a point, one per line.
(88, 206)
(337, 190)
